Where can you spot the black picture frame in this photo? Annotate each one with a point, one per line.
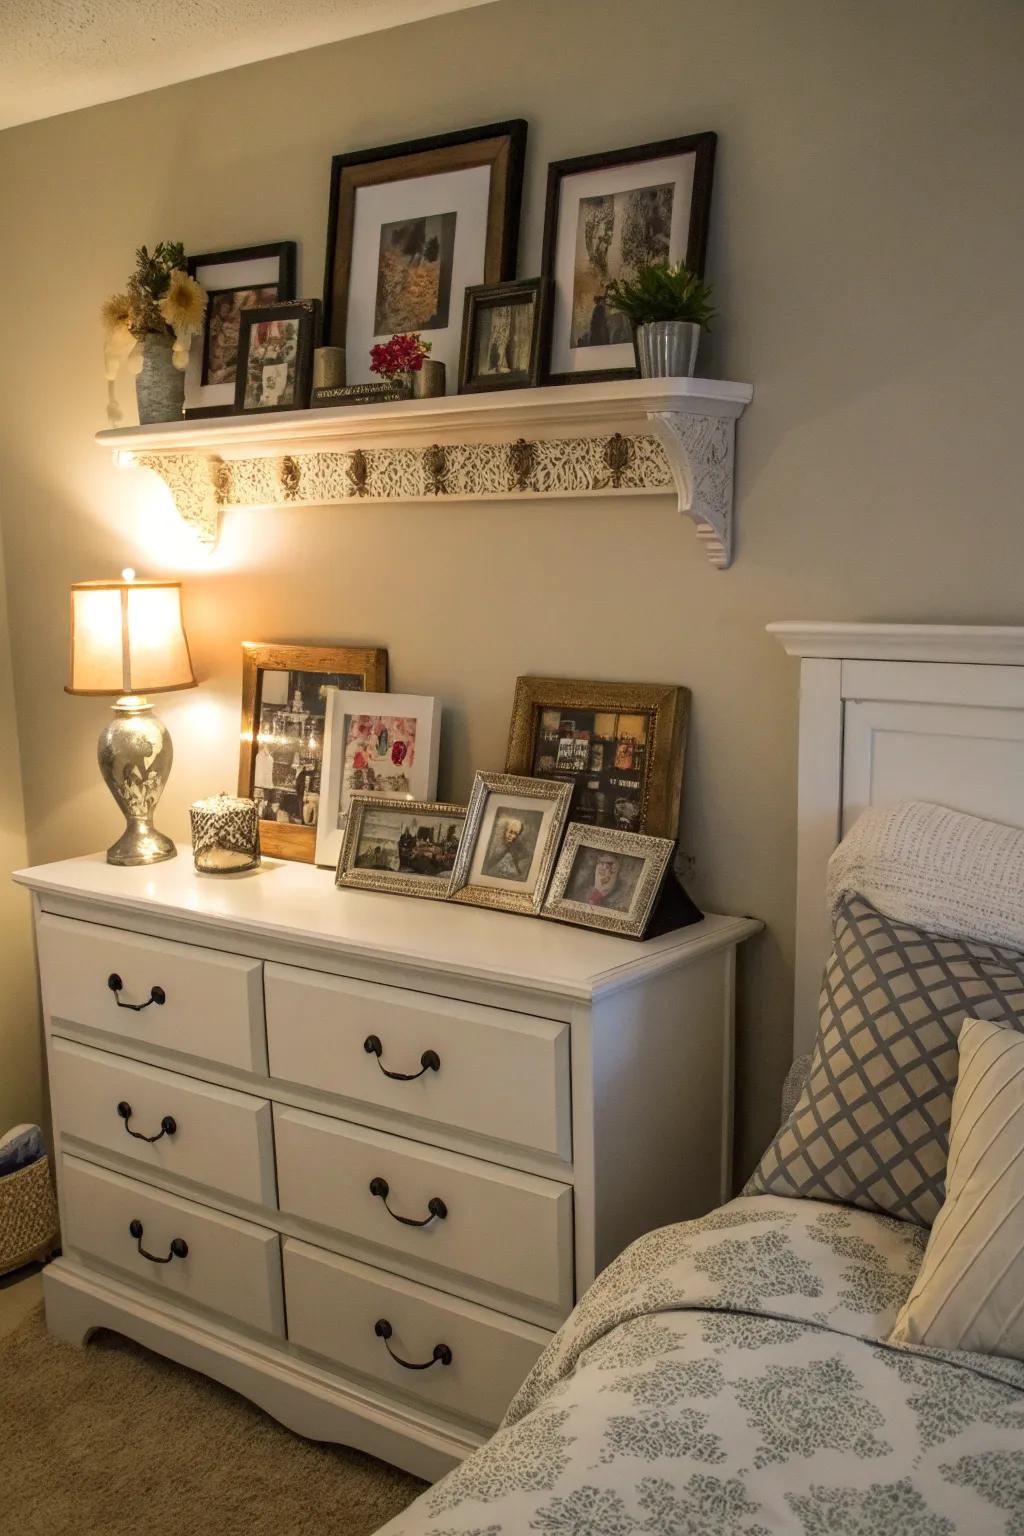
(307, 312)
(702, 147)
(285, 253)
(484, 296)
(501, 146)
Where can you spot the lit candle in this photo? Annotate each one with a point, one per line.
(225, 835)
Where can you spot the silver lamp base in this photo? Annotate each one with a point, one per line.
(135, 755)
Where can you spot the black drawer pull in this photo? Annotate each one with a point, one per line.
(179, 1247)
(156, 994)
(436, 1206)
(168, 1125)
(442, 1354)
(430, 1061)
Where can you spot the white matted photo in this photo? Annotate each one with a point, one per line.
(608, 879)
(378, 745)
(514, 826)
(234, 281)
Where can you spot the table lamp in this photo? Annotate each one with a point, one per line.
(127, 638)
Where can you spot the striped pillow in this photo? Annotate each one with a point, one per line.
(969, 1293)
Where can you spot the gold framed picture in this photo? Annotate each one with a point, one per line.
(513, 828)
(407, 847)
(284, 711)
(620, 746)
(607, 879)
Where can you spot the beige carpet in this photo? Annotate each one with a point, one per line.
(112, 1439)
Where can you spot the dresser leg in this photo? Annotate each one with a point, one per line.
(70, 1315)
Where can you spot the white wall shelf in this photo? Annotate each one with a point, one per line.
(667, 436)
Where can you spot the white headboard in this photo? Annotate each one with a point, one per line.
(893, 712)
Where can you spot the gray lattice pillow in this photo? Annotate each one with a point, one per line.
(871, 1126)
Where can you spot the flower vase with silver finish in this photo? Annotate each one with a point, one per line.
(667, 349)
(135, 755)
(428, 381)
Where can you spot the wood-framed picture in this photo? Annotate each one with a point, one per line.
(384, 745)
(410, 227)
(234, 281)
(284, 715)
(406, 847)
(607, 879)
(275, 357)
(607, 215)
(502, 336)
(513, 829)
(621, 746)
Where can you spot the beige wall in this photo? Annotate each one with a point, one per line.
(865, 241)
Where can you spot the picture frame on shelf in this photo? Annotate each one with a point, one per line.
(275, 357)
(605, 216)
(608, 880)
(383, 746)
(513, 830)
(284, 716)
(620, 746)
(405, 847)
(251, 277)
(410, 227)
(502, 336)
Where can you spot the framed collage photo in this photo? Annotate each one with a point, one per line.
(252, 278)
(406, 847)
(608, 215)
(284, 716)
(502, 336)
(513, 828)
(275, 357)
(608, 880)
(383, 746)
(621, 746)
(410, 228)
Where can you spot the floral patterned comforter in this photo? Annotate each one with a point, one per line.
(726, 1376)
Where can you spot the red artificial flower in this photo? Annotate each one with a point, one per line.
(402, 354)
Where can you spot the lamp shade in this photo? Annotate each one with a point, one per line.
(128, 637)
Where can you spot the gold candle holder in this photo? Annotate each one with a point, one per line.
(225, 835)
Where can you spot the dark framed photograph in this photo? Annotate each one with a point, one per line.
(285, 689)
(407, 847)
(275, 357)
(608, 880)
(620, 746)
(412, 226)
(502, 336)
(250, 278)
(514, 826)
(607, 216)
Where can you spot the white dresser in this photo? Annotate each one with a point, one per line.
(356, 1155)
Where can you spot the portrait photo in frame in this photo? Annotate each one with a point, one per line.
(410, 227)
(406, 847)
(383, 746)
(274, 371)
(606, 216)
(513, 829)
(621, 746)
(608, 880)
(502, 336)
(250, 278)
(284, 716)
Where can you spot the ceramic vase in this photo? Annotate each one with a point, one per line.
(159, 387)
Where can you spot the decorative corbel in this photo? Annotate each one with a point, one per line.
(700, 452)
(195, 482)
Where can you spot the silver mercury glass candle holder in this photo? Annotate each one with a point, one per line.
(225, 835)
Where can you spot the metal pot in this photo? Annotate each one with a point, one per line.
(429, 380)
(159, 387)
(667, 349)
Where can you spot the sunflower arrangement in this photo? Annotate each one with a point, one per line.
(160, 299)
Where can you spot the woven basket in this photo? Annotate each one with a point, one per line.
(28, 1216)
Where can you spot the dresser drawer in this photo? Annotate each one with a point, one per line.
(212, 1003)
(335, 1306)
(496, 1074)
(505, 1228)
(231, 1266)
(220, 1138)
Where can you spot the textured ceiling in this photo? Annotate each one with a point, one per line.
(59, 55)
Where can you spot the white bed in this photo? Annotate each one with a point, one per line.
(729, 1375)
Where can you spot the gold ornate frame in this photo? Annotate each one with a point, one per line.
(281, 840)
(484, 786)
(668, 707)
(656, 853)
(348, 876)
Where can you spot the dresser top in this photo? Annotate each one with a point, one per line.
(298, 903)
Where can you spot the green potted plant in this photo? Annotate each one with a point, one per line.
(150, 327)
(668, 307)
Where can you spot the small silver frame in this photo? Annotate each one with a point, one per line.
(348, 877)
(484, 786)
(656, 853)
